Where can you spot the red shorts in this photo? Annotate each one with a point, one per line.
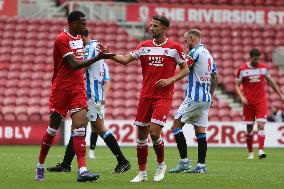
(152, 110)
(63, 101)
(254, 112)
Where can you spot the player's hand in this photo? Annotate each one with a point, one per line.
(282, 98)
(244, 100)
(103, 102)
(104, 52)
(164, 82)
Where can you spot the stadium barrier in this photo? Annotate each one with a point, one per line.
(219, 134)
(21, 132)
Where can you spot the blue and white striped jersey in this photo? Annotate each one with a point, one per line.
(199, 78)
(96, 73)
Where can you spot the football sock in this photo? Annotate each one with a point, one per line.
(181, 142)
(93, 140)
(69, 154)
(249, 140)
(46, 143)
(159, 150)
(142, 153)
(202, 147)
(79, 145)
(261, 139)
(113, 146)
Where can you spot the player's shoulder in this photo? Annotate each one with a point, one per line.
(174, 44)
(147, 43)
(62, 37)
(262, 65)
(244, 66)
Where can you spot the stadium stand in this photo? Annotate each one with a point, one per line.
(26, 67)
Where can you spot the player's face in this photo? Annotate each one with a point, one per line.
(156, 28)
(81, 25)
(254, 60)
(188, 42)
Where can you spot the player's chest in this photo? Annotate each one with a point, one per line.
(77, 48)
(157, 61)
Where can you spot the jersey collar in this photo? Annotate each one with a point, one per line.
(66, 31)
(161, 43)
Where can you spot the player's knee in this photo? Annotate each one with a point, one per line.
(155, 136)
(158, 142)
(105, 134)
(142, 142)
(79, 131)
(55, 120)
(51, 131)
(177, 124)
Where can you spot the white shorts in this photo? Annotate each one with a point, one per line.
(96, 110)
(195, 113)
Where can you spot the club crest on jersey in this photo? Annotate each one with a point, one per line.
(166, 52)
(156, 61)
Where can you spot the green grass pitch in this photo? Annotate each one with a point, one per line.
(227, 168)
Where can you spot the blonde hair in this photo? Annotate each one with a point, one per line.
(194, 32)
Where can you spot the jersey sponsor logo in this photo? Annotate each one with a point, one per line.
(156, 61)
(254, 78)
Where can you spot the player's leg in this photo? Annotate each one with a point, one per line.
(78, 110)
(123, 165)
(58, 105)
(93, 143)
(261, 112)
(79, 145)
(249, 118)
(200, 134)
(184, 163)
(161, 108)
(200, 121)
(47, 140)
(142, 120)
(142, 153)
(65, 166)
(249, 140)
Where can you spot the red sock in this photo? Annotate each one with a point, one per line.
(159, 150)
(142, 154)
(249, 139)
(79, 145)
(261, 139)
(45, 146)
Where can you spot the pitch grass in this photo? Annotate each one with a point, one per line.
(227, 168)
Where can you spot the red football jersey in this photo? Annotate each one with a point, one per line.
(64, 78)
(158, 62)
(254, 82)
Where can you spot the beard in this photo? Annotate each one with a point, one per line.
(154, 35)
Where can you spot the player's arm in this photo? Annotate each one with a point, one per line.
(78, 64)
(123, 59)
(214, 82)
(181, 74)
(274, 86)
(238, 90)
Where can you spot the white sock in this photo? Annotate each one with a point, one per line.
(185, 160)
(40, 166)
(143, 173)
(200, 165)
(82, 169)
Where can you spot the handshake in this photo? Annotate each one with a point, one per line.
(104, 52)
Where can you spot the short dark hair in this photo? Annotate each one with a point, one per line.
(75, 16)
(254, 52)
(164, 20)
